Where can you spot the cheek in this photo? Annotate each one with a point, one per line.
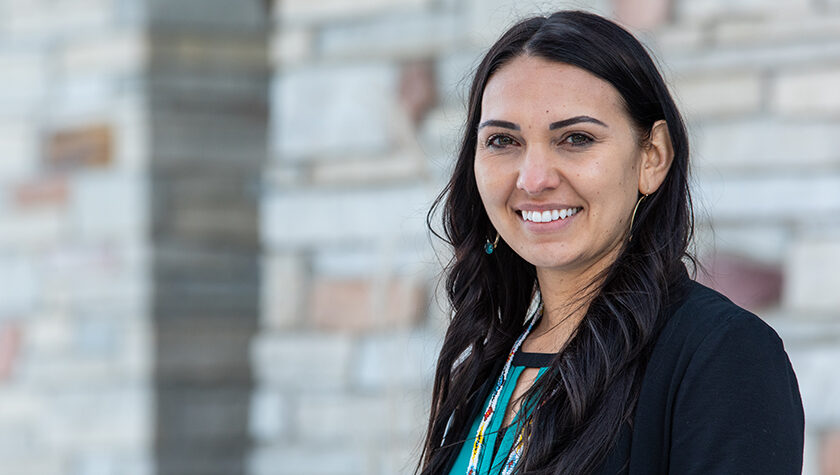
(490, 182)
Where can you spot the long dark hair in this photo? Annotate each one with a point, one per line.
(591, 387)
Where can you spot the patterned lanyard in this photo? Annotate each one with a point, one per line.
(478, 445)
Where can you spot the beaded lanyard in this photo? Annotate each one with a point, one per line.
(478, 445)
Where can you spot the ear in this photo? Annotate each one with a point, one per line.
(657, 156)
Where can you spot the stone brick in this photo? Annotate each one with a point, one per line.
(806, 93)
(107, 206)
(677, 39)
(361, 172)
(811, 277)
(752, 285)
(201, 350)
(302, 362)
(792, 55)
(295, 12)
(201, 416)
(10, 338)
(409, 34)
(80, 147)
(324, 218)
(735, 93)
(24, 82)
(830, 453)
(308, 460)
(708, 10)
(34, 21)
(214, 15)
(18, 147)
(32, 229)
(21, 284)
(125, 52)
(642, 14)
(745, 31)
(816, 361)
(269, 416)
(359, 305)
(97, 275)
(226, 143)
(752, 144)
(49, 191)
(767, 199)
(290, 46)
(283, 282)
(111, 417)
(391, 362)
(407, 257)
(399, 459)
(359, 420)
(333, 112)
(766, 243)
(418, 92)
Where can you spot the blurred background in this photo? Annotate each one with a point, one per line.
(213, 254)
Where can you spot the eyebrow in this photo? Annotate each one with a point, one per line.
(499, 123)
(553, 126)
(575, 120)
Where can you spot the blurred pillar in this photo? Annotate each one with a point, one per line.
(207, 90)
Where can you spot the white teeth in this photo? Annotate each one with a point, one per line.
(547, 216)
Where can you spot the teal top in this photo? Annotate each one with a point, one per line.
(491, 463)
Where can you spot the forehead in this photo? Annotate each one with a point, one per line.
(528, 84)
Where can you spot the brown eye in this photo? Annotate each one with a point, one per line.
(578, 140)
(500, 141)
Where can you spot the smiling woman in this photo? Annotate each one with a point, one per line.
(578, 343)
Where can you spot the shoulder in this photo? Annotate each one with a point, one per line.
(714, 367)
(706, 319)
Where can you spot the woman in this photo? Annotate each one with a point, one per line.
(578, 344)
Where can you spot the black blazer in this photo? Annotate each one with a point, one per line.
(719, 396)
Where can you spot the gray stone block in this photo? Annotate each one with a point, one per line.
(302, 362)
(333, 112)
(405, 34)
(212, 15)
(324, 218)
(750, 144)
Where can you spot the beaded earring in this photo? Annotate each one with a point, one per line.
(489, 247)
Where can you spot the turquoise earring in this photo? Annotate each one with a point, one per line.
(489, 247)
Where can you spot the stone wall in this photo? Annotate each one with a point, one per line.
(367, 105)
(213, 254)
(75, 392)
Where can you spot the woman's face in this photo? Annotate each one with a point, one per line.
(557, 164)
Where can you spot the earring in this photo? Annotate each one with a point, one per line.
(633, 217)
(489, 247)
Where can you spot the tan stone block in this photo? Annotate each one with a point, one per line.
(85, 146)
(357, 305)
(830, 453)
(47, 191)
(642, 14)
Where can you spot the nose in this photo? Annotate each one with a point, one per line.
(537, 173)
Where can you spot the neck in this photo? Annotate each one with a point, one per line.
(566, 297)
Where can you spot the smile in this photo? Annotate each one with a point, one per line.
(548, 215)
